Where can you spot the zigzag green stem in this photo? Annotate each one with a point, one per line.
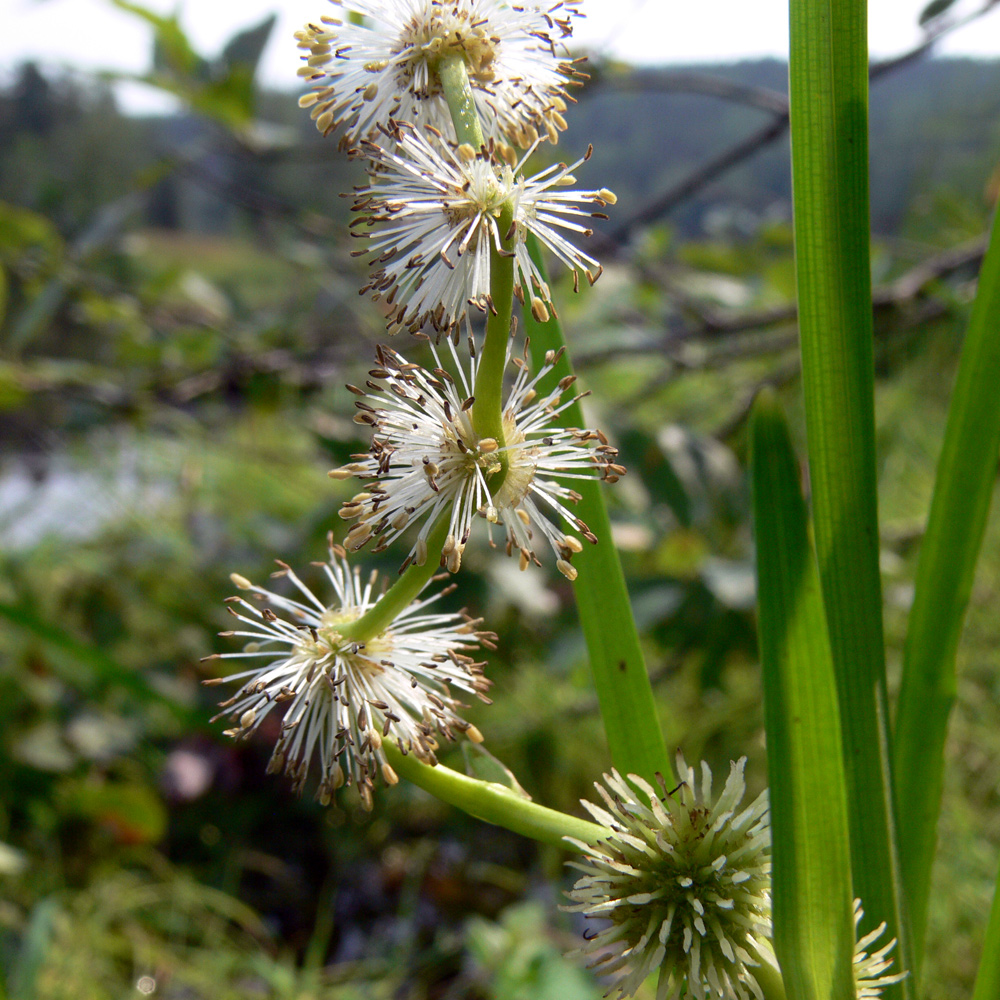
(493, 803)
(487, 411)
(400, 595)
(454, 77)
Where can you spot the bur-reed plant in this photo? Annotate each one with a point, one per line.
(446, 100)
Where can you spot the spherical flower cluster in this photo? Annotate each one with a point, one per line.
(681, 886)
(432, 213)
(377, 60)
(341, 698)
(428, 462)
(869, 970)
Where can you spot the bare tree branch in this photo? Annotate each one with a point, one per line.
(689, 82)
(609, 245)
(694, 182)
(711, 324)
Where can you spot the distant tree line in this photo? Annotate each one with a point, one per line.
(66, 149)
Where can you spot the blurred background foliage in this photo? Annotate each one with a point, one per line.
(178, 314)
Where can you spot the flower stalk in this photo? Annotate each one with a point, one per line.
(454, 77)
(487, 412)
(410, 583)
(493, 803)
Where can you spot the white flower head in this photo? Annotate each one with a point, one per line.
(427, 462)
(432, 215)
(341, 699)
(869, 970)
(375, 61)
(681, 885)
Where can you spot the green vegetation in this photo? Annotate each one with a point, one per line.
(178, 313)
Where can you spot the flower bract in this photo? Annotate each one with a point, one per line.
(432, 214)
(680, 885)
(376, 60)
(340, 699)
(427, 462)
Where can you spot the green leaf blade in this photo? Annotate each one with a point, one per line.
(960, 506)
(988, 976)
(828, 77)
(621, 680)
(813, 927)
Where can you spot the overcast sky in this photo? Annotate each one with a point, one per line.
(93, 34)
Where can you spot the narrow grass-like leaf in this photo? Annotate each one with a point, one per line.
(813, 927)
(962, 491)
(988, 976)
(620, 677)
(828, 88)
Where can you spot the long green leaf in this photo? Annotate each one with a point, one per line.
(828, 76)
(620, 677)
(813, 928)
(988, 976)
(962, 492)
